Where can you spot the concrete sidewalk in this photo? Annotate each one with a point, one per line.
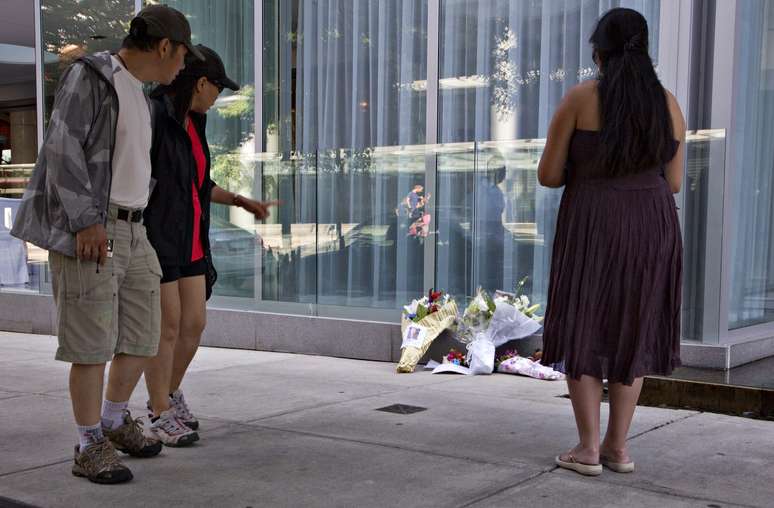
(293, 430)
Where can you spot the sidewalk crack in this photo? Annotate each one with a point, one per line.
(665, 424)
(35, 468)
(499, 491)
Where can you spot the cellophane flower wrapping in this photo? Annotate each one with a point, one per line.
(526, 367)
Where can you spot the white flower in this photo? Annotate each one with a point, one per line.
(481, 303)
(524, 301)
(411, 308)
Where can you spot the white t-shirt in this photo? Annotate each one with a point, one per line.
(131, 155)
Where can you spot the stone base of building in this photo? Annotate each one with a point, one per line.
(345, 338)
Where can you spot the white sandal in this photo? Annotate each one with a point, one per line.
(573, 465)
(618, 467)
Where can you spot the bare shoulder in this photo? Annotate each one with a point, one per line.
(671, 100)
(584, 100)
(678, 121)
(582, 92)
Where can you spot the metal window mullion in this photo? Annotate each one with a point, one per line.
(259, 130)
(39, 91)
(431, 133)
(724, 81)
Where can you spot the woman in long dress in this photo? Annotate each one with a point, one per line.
(616, 143)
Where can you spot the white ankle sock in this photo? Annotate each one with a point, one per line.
(113, 414)
(89, 435)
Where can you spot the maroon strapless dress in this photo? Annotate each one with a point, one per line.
(615, 287)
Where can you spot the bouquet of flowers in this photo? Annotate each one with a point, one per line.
(505, 355)
(491, 322)
(520, 301)
(472, 331)
(528, 367)
(476, 317)
(455, 357)
(422, 321)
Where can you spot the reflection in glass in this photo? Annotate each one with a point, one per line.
(338, 81)
(456, 170)
(72, 29)
(702, 206)
(504, 66)
(227, 27)
(372, 224)
(289, 236)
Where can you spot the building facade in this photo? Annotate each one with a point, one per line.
(402, 138)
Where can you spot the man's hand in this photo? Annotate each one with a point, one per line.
(91, 244)
(260, 209)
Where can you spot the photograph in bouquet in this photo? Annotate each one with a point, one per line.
(413, 336)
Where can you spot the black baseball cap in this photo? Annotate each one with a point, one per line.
(211, 67)
(165, 22)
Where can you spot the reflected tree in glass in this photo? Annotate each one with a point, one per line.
(71, 29)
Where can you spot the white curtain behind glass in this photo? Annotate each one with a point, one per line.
(752, 270)
(353, 62)
(351, 58)
(504, 67)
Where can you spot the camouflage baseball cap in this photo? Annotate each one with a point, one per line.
(165, 22)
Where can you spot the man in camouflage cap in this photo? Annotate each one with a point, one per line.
(84, 205)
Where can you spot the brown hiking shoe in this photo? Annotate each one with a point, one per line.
(100, 464)
(128, 438)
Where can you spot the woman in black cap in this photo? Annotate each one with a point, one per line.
(177, 219)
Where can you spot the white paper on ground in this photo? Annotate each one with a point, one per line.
(431, 365)
(451, 368)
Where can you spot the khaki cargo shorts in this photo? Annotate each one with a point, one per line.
(113, 310)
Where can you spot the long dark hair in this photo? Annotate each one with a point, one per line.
(181, 92)
(636, 131)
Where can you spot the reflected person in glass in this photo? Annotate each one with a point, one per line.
(178, 221)
(414, 207)
(489, 224)
(616, 143)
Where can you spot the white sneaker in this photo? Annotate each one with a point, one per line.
(177, 401)
(171, 431)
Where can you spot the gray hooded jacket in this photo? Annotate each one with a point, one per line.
(70, 186)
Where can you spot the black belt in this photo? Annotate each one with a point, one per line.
(129, 215)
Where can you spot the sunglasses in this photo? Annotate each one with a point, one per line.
(217, 84)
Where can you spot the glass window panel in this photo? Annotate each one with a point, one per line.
(752, 231)
(290, 233)
(347, 80)
(455, 178)
(373, 215)
(504, 66)
(702, 243)
(70, 29)
(227, 26)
